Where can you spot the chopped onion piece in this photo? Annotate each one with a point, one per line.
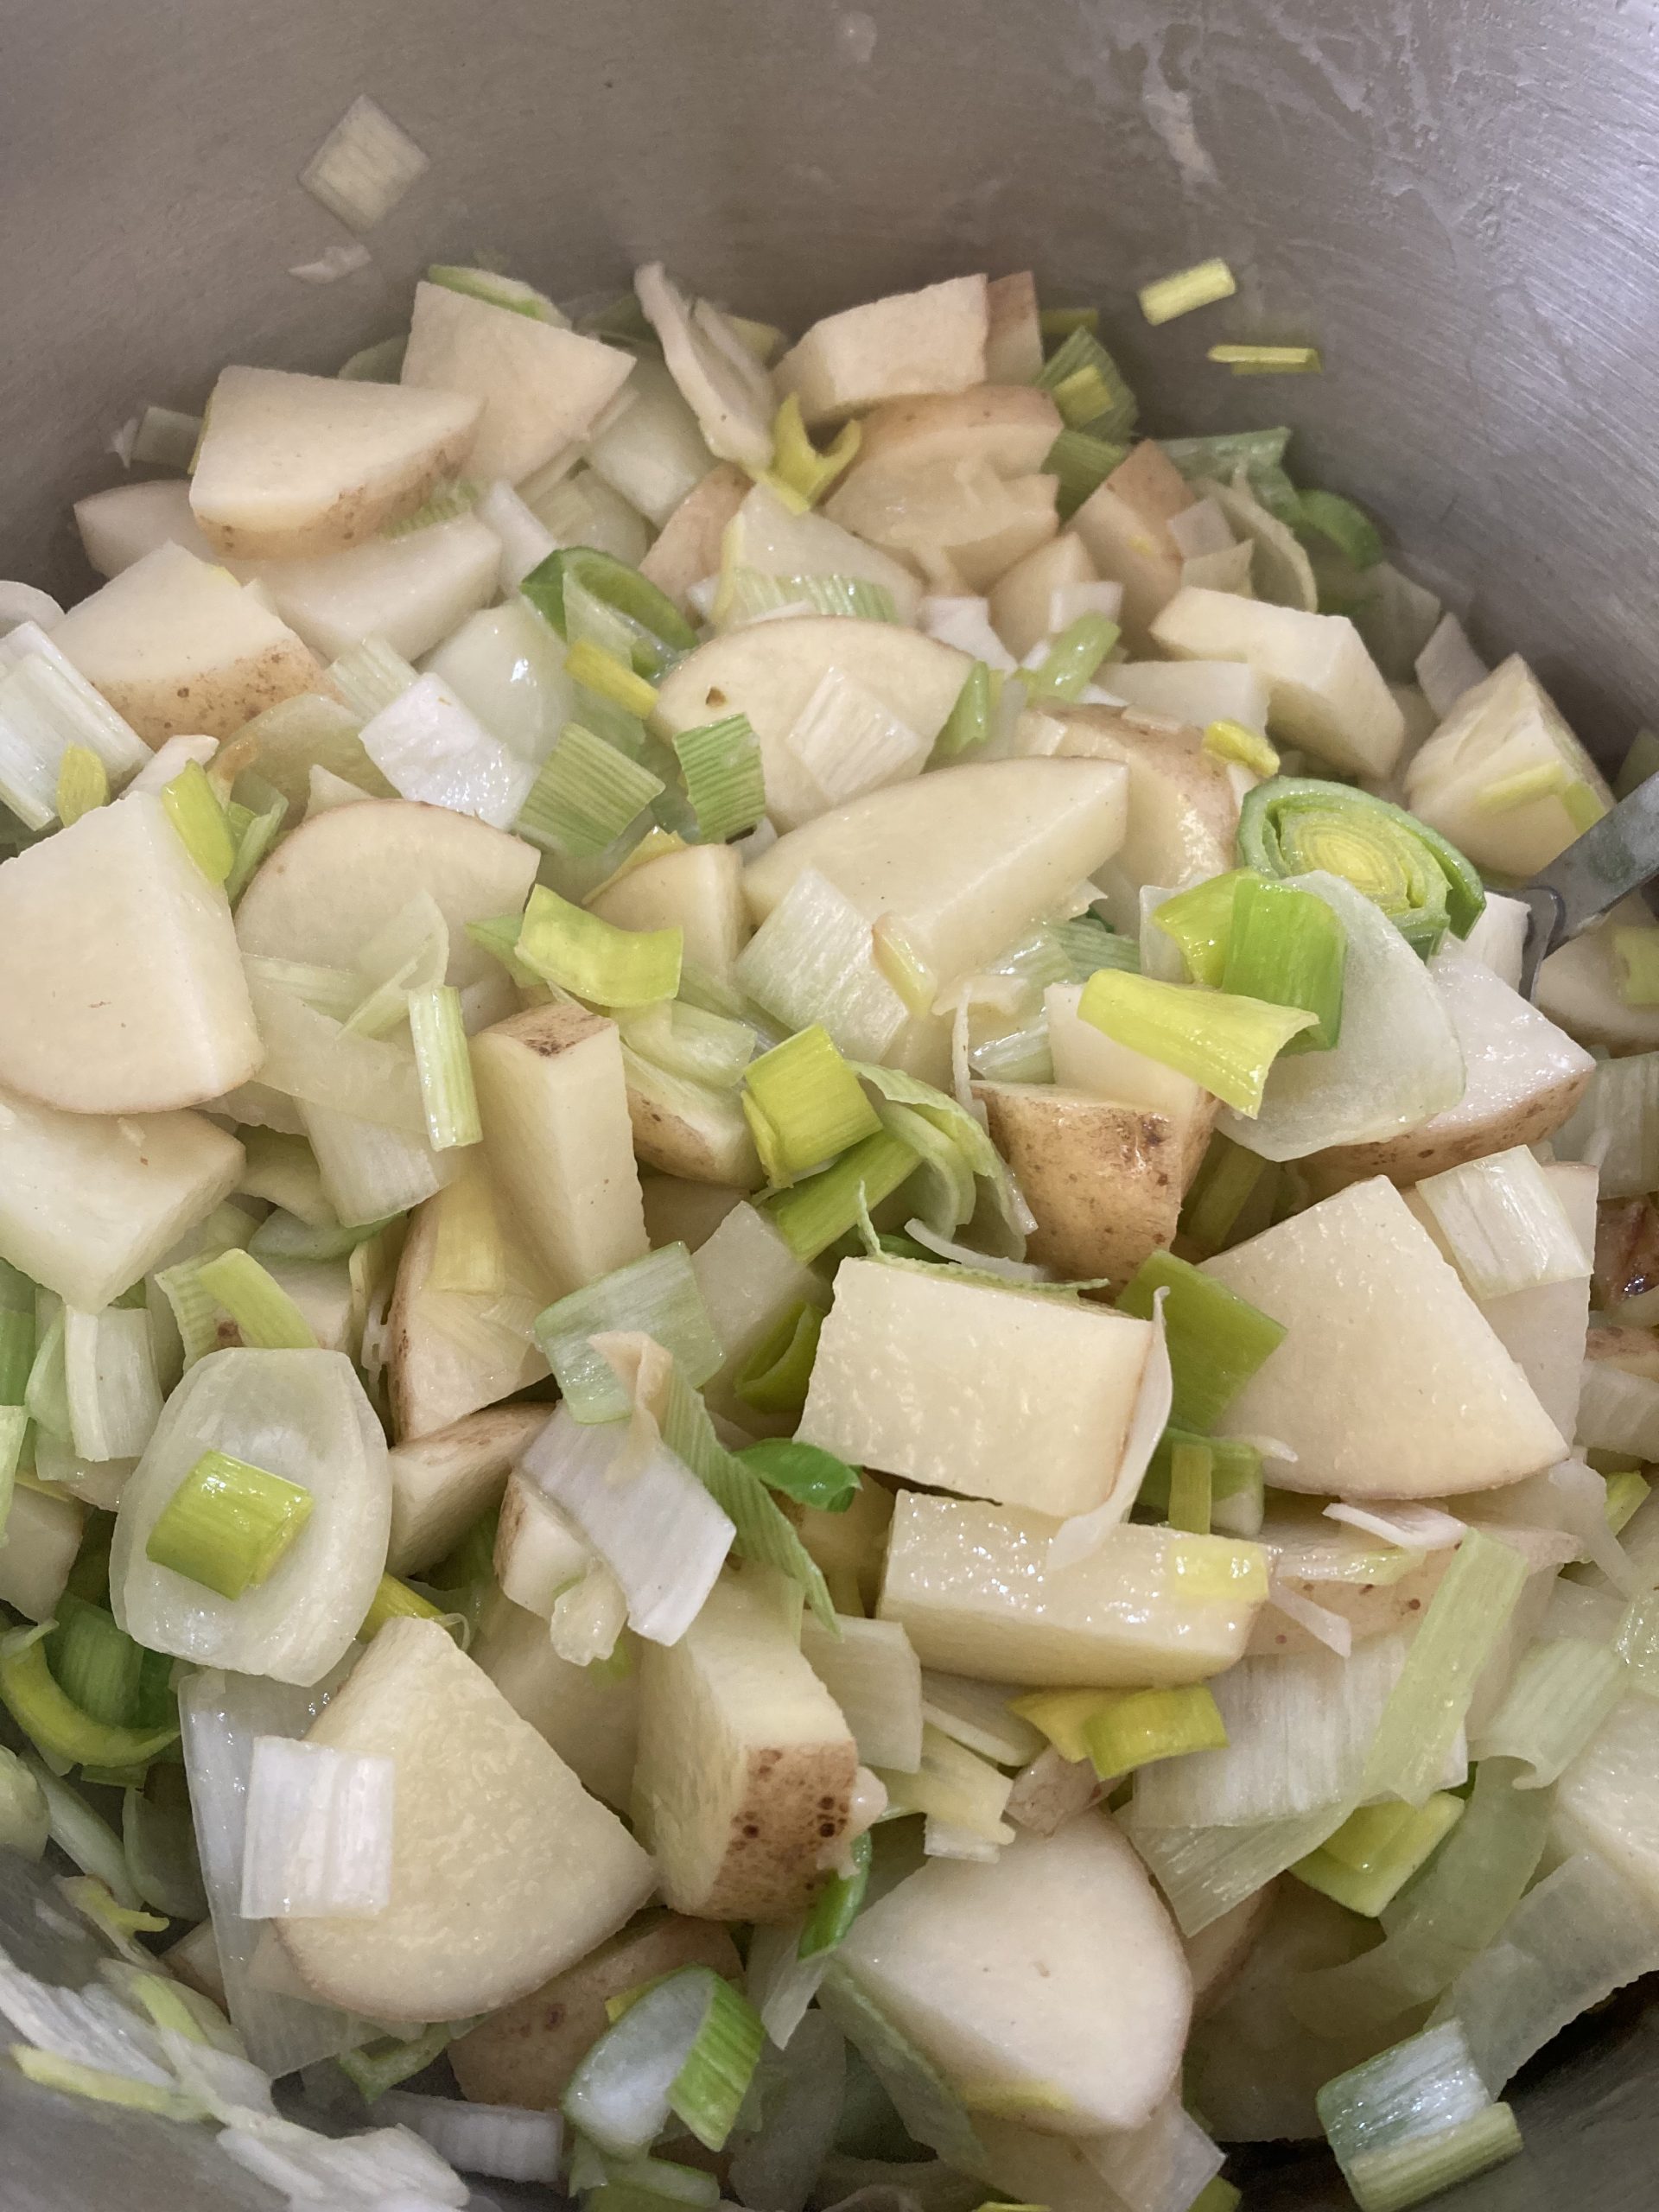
(318, 1839)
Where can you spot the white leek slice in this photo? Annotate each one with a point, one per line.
(46, 706)
(1506, 1228)
(319, 1831)
(1397, 1062)
(363, 166)
(812, 960)
(300, 1416)
(644, 1512)
(1414, 2121)
(1616, 1130)
(1563, 1692)
(874, 1675)
(846, 741)
(651, 449)
(503, 2142)
(429, 747)
(114, 1400)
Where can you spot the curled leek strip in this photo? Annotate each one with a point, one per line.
(1295, 825)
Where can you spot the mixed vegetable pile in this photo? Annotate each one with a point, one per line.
(796, 1336)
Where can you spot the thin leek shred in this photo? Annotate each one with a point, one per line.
(689, 2045)
(444, 1067)
(593, 959)
(1562, 1691)
(229, 1525)
(378, 2066)
(804, 1104)
(255, 830)
(657, 631)
(764, 1533)
(1227, 1043)
(1080, 351)
(805, 1473)
(1446, 1918)
(1414, 2121)
(657, 1296)
(1375, 1851)
(1296, 825)
(265, 1314)
(774, 1377)
(1289, 948)
(70, 2077)
(976, 1155)
(1230, 740)
(1187, 289)
(587, 794)
(724, 780)
(953, 1785)
(1460, 1632)
(1268, 360)
(1068, 667)
(1081, 462)
(193, 808)
(1216, 1339)
(1201, 921)
(1580, 1934)
(1235, 1479)
(972, 719)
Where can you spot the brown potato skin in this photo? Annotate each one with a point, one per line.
(525, 2054)
(688, 547)
(1407, 1159)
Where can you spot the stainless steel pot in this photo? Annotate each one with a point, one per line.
(1456, 198)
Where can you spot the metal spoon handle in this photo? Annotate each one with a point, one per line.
(1614, 857)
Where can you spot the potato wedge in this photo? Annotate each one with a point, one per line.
(1375, 1318)
(1324, 691)
(1021, 598)
(687, 548)
(1011, 427)
(525, 2054)
(342, 876)
(120, 526)
(988, 1392)
(445, 1357)
(553, 1100)
(125, 993)
(535, 388)
(179, 646)
(1055, 1969)
(1105, 1181)
(590, 1715)
(900, 348)
(504, 1869)
(1524, 1078)
(772, 670)
(965, 862)
(685, 1129)
(410, 590)
(958, 521)
(746, 1766)
(971, 1585)
(1183, 803)
(442, 1482)
(1013, 336)
(698, 891)
(1197, 692)
(87, 1204)
(291, 466)
(1124, 524)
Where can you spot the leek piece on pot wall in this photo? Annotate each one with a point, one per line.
(132, 1000)
(1036, 2006)
(301, 1416)
(972, 1587)
(87, 1206)
(504, 1869)
(178, 647)
(553, 1096)
(1374, 1318)
(746, 1767)
(993, 1393)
